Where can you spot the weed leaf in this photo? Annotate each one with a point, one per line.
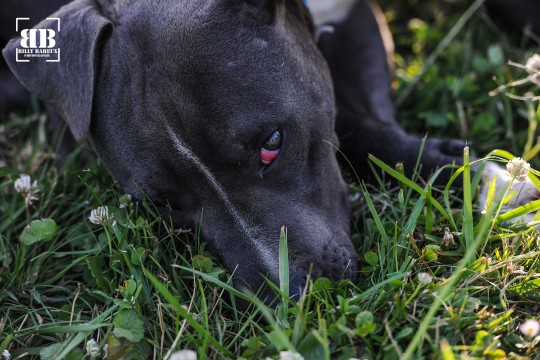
(371, 258)
(202, 263)
(122, 349)
(50, 352)
(314, 347)
(527, 288)
(96, 264)
(39, 230)
(128, 324)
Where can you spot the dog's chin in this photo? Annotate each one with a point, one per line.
(333, 260)
(264, 293)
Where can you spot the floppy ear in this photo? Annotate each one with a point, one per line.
(67, 85)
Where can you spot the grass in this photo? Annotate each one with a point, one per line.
(438, 278)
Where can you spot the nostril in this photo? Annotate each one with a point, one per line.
(338, 261)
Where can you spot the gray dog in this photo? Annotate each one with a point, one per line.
(225, 111)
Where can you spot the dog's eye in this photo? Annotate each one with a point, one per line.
(271, 148)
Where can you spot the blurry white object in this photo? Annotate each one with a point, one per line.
(523, 192)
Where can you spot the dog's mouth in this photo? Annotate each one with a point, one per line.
(334, 258)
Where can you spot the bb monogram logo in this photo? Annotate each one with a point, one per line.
(38, 43)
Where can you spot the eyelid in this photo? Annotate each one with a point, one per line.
(268, 156)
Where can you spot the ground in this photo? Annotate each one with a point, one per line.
(439, 278)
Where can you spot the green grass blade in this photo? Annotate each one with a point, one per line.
(173, 301)
(283, 276)
(445, 291)
(216, 281)
(376, 217)
(519, 211)
(456, 29)
(409, 226)
(528, 152)
(429, 210)
(358, 298)
(280, 340)
(502, 154)
(409, 183)
(66, 329)
(468, 221)
(5, 343)
(74, 341)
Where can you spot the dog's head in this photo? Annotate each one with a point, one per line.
(221, 110)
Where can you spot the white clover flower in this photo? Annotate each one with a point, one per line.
(518, 169)
(425, 278)
(27, 188)
(530, 328)
(533, 67)
(184, 355)
(92, 348)
(23, 183)
(100, 216)
(290, 355)
(6, 355)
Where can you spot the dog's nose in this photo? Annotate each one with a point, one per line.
(350, 265)
(343, 265)
(348, 268)
(339, 259)
(325, 253)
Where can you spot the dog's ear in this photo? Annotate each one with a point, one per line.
(67, 85)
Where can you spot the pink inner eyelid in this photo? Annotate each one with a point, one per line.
(267, 156)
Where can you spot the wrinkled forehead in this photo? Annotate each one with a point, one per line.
(239, 70)
(188, 16)
(236, 57)
(236, 30)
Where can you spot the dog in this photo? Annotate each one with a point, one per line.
(225, 111)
